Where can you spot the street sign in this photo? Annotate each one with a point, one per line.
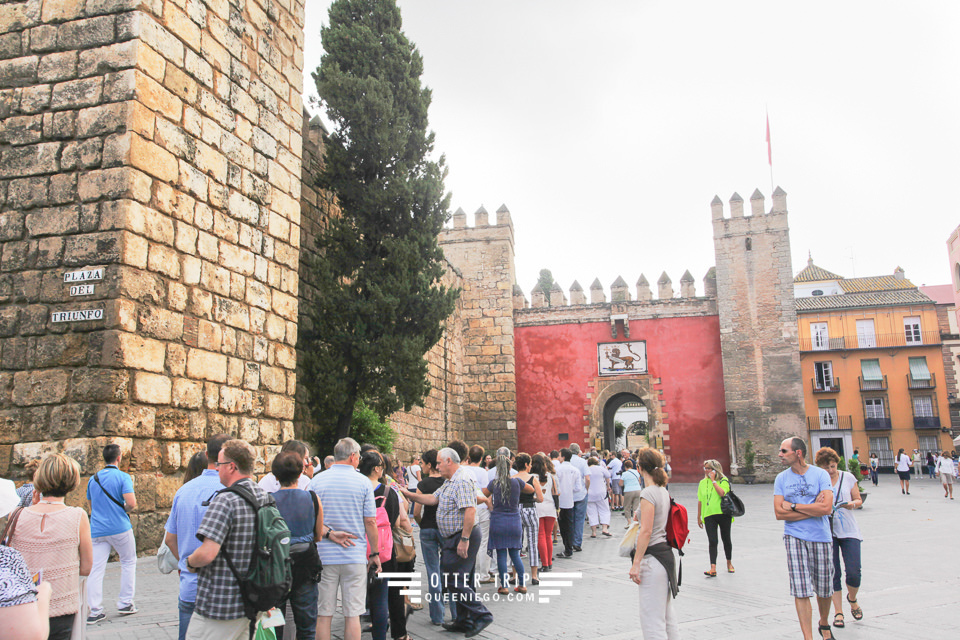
(81, 290)
(82, 276)
(77, 315)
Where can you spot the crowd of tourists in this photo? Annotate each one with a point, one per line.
(483, 519)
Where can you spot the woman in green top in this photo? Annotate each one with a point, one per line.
(712, 488)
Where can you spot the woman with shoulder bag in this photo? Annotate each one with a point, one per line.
(710, 492)
(303, 514)
(654, 565)
(546, 510)
(846, 534)
(386, 603)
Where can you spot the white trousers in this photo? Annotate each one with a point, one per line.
(126, 546)
(482, 568)
(658, 621)
(598, 512)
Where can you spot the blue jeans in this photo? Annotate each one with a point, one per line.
(430, 549)
(186, 610)
(850, 548)
(379, 608)
(502, 566)
(303, 603)
(579, 514)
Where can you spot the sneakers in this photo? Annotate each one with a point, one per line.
(94, 618)
(127, 610)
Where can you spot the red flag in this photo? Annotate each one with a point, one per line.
(769, 149)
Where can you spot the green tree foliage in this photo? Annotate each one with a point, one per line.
(379, 305)
(545, 282)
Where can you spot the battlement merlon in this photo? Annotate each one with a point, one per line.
(739, 224)
(481, 230)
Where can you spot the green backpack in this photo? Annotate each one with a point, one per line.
(270, 575)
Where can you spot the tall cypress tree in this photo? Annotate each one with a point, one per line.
(380, 305)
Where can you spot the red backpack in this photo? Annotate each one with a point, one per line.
(678, 531)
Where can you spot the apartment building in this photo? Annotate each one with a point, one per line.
(871, 356)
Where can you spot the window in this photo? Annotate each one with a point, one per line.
(817, 292)
(828, 413)
(866, 337)
(922, 407)
(824, 374)
(819, 336)
(871, 376)
(918, 369)
(873, 408)
(881, 446)
(928, 443)
(749, 244)
(911, 330)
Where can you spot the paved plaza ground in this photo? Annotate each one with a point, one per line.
(910, 589)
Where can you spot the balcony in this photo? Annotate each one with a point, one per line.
(876, 424)
(825, 388)
(912, 383)
(879, 341)
(830, 423)
(872, 385)
(928, 422)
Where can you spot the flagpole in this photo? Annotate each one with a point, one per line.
(769, 150)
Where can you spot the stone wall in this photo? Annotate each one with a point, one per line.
(441, 418)
(758, 327)
(160, 141)
(483, 254)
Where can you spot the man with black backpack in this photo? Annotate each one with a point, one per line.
(243, 562)
(110, 492)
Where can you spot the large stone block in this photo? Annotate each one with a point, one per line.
(128, 350)
(205, 365)
(40, 387)
(99, 385)
(151, 388)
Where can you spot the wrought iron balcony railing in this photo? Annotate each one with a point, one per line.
(829, 422)
(877, 341)
(825, 388)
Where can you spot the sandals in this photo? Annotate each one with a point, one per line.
(839, 624)
(825, 627)
(608, 534)
(855, 609)
(503, 591)
(710, 574)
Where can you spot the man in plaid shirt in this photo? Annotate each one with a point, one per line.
(229, 524)
(456, 502)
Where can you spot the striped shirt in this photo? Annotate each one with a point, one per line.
(347, 498)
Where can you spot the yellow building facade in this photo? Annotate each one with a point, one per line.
(872, 364)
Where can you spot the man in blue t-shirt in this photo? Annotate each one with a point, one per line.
(189, 506)
(110, 492)
(803, 499)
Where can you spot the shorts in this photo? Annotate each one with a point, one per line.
(904, 475)
(351, 579)
(203, 628)
(946, 478)
(616, 487)
(810, 567)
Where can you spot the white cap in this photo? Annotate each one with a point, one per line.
(9, 500)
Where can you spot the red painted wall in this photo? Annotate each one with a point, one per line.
(555, 364)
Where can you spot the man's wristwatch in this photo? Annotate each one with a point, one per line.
(375, 553)
(793, 507)
(327, 534)
(190, 567)
(465, 539)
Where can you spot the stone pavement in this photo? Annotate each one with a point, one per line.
(910, 582)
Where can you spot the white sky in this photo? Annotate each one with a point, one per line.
(607, 127)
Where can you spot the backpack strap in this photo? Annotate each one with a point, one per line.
(107, 493)
(251, 500)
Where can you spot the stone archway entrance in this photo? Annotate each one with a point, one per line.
(610, 395)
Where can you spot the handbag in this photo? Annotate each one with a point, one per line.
(731, 504)
(629, 542)
(305, 560)
(11, 525)
(404, 547)
(166, 563)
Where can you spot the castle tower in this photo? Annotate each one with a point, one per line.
(619, 291)
(758, 326)
(577, 296)
(484, 256)
(596, 292)
(643, 289)
(557, 297)
(687, 287)
(152, 152)
(664, 287)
